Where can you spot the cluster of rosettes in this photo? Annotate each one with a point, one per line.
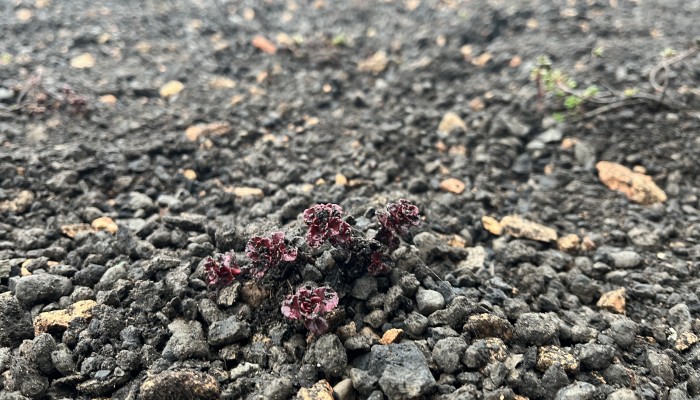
(264, 253)
(311, 305)
(325, 223)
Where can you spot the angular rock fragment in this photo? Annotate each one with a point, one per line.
(638, 187)
(105, 224)
(19, 204)
(374, 64)
(537, 328)
(452, 185)
(321, 390)
(613, 300)
(685, 341)
(183, 384)
(59, 319)
(488, 325)
(550, 355)
(451, 122)
(569, 243)
(402, 369)
(193, 132)
(16, 323)
(187, 341)
(492, 225)
(391, 336)
(73, 230)
(228, 331)
(520, 228)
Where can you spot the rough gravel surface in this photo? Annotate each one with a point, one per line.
(138, 138)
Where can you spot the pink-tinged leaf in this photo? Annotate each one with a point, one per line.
(309, 216)
(383, 218)
(290, 308)
(277, 238)
(290, 255)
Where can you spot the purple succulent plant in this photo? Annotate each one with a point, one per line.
(396, 220)
(268, 252)
(326, 224)
(400, 216)
(221, 269)
(310, 305)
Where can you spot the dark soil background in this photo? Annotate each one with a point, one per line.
(86, 132)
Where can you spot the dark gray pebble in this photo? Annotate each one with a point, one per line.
(595, 356)
(554, 378)
(660, 365)
(364, 288)
(429, 301)
(455, 315)
(42, 347)
(363, 381)
(228, 331)
(329, 353)
(537, 329)
(447, 353)
(579, 391)
(15, 321)
(187, 341)
(402, 370)
(42, 288)
(90, 275)
(416, 324)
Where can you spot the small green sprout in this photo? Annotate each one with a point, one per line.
(590, 91)
(629, 92)
(339, 40)
(571, 102)
(298, 39)
(6, 59)
(558, 117)
(668, 53)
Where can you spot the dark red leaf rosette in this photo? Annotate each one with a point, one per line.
(398, 218)
(326, 224)
(268, 252)
(221, 269)
(310, 305)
